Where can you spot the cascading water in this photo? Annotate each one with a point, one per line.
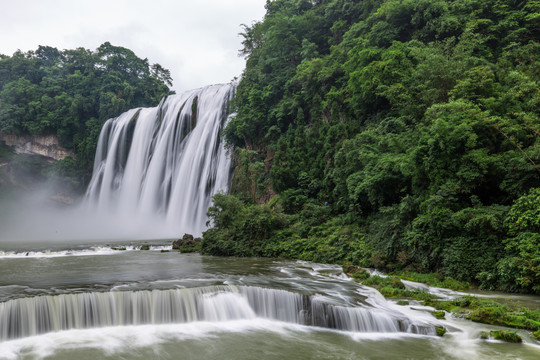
(32, 316)
(162, 165)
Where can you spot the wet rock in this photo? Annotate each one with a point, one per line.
(441, 330)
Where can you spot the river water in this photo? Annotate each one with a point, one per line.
(104, 302)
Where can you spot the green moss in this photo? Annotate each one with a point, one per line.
(489, 311)
(118, 248)
(389, 281)
(358, 274)
(536, 335)
(508, 336)
(392, 287)
(403, 302)
(484, 335)
(439, 314)
(441, 330)
(145, 247)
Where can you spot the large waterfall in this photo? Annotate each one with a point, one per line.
(162, 165)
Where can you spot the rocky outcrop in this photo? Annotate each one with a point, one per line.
(187, 243)
(44, 145)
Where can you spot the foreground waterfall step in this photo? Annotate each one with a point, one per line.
(31, 316)
(163, 164)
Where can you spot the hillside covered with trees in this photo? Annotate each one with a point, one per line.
(399, 134)
(71, 93)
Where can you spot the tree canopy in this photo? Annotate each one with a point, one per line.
(70, 93)
(415, 121)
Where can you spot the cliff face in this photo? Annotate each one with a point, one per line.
(44, 145)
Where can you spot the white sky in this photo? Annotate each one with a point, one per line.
(197, 40)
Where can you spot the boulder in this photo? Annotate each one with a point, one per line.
(186, 242)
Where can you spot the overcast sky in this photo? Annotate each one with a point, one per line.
(196, 39)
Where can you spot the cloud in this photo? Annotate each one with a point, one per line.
(197, 40)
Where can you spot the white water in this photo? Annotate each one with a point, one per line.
(159, 167)
(149, 304)
(36, 315)
(92, 251)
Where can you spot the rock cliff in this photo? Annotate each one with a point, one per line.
(44, 145)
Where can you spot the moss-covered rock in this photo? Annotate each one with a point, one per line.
(145, 247)
(490, 311)
(403, 302)
(433, 279)
(187, 244)
(439, 314)
(441, 330)
(357, 273)
(505, 335)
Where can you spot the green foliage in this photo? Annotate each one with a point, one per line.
(71, 93)
(489, 311)
(311, 238)
(239, 229)
(522, 265)
(415, 122)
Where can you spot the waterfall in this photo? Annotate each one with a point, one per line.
(163, 164)
(36, 315)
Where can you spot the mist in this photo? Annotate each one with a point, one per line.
(35, 220)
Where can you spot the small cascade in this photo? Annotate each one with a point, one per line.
(161, 166)
(37, 315)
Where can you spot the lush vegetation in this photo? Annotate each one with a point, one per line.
(400, 134)
(490, 311)
(71, 93)
(500, 312)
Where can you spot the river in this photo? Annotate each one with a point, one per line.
(103, 302)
